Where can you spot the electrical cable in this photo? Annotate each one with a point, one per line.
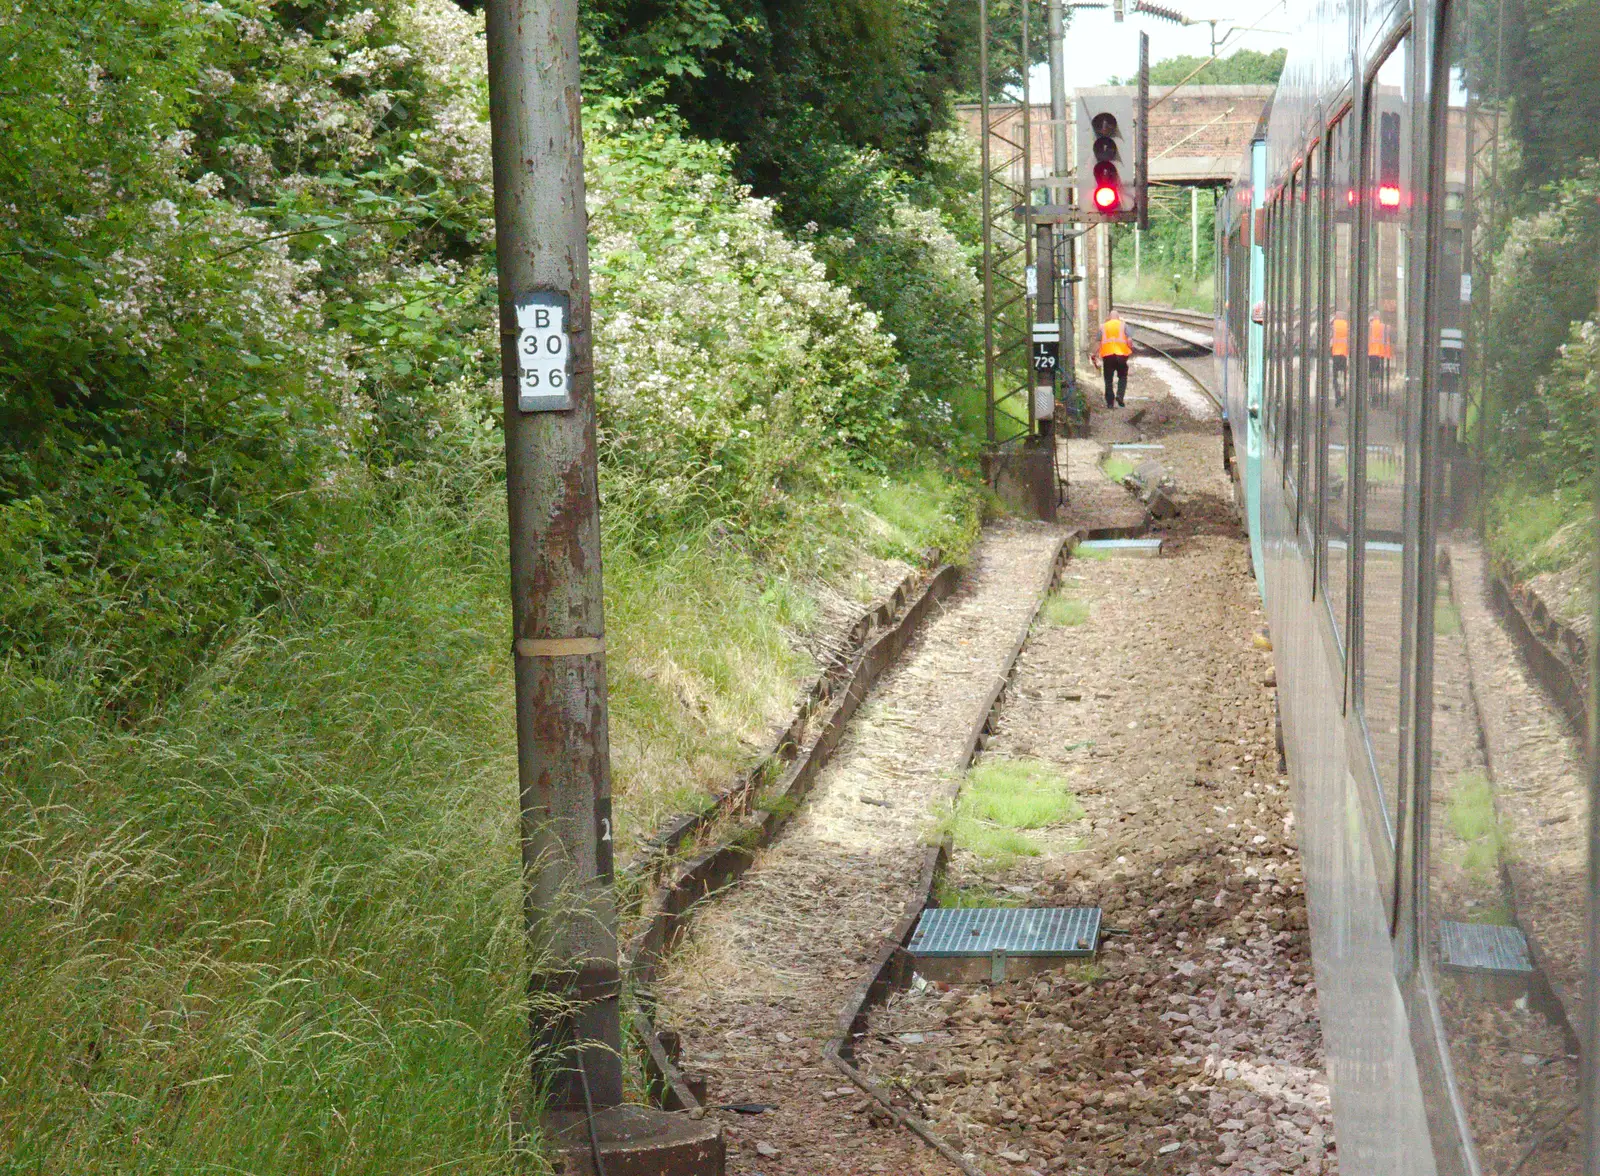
(588, 1103)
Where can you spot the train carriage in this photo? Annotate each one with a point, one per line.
(1406, 484)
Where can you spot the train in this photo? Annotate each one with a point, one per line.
(1377, 249)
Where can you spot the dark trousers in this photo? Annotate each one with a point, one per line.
(1341, 377)
(1115, 365)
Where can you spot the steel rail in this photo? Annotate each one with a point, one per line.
(1178, 363)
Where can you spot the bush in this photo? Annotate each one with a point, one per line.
(1538, 359)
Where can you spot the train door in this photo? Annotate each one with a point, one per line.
(1256, 367)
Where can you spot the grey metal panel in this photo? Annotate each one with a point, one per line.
(1379, 1110)
(1024, 931)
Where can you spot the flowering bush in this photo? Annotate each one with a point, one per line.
(258, 271)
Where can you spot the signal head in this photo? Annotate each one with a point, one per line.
(1104, 124)
(1106, 197)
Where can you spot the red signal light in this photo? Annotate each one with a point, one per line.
(1106, 198)
(1389, 196)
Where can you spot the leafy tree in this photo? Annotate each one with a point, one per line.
(1243, 67)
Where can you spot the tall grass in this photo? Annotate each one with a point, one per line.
(1160, 288)
(277, 928)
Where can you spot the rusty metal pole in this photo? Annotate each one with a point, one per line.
(558, 619)
(547, 370)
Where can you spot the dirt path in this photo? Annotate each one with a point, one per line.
(1192, 1045)
(755, 990)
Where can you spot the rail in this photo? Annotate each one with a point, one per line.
(1140, 315)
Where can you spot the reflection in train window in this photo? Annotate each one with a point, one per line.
(1339, 201)
(1311, 344)
(1272, 351)
(1506, 792)
(1389, 204)
(1291, 341)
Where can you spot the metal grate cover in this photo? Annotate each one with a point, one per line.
(1020, 931)
(1483, 947)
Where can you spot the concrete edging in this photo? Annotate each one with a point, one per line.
(892, 966)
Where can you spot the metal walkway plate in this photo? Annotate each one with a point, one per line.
(1484, 947)
(1134, 547)
(1016, 931)
(1138, 445)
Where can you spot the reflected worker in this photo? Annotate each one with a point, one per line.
(1111, 357)
(1379, 352)
(1339, 352)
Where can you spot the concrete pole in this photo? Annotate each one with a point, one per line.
(563, 760)
(1044, 311)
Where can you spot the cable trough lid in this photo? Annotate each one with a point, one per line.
(1484, 947)
(952, 932)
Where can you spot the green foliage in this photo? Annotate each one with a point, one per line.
(1544, 287)
(1243, 67)
(1158, 269)
(1549, 52)
(951, 896)
(999, 799)
(905, 516)
(261, 906)
(279, 927)
(1473, 821)
(1537, 531)
(1117, 467)
(1062, 610)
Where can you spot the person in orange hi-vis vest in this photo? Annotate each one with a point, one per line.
(1111, 357)
(1339, 351)
(1380, 350)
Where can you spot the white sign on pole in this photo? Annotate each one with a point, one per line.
(544, 354)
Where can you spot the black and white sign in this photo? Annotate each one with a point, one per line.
(544, 353)
(1046, 347)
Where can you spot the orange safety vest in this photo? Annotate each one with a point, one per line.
(1341, 337)
(1378, 345)
(1113, 339)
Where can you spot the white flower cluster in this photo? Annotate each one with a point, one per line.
(725, 359)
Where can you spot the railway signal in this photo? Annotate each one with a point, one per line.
(1389, 196)
(1112, 185)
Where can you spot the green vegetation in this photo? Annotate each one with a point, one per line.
(261, 904)
(1536, 531)
(1159, 267)
(1536, 351)
(1000, 799)
(1446, 617)
(1117, 467)
(1472, 819)
(1060, 609)
(277, 928)
(1242, 67)
(950, 896)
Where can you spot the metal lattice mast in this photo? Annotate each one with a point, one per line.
(1006, 156)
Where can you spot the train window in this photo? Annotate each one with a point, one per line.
(1270, 327)
(1387, 196)
(1311, 347)
(1340, 202)
(1291, 341)
(1504, 784)
(1280, 333)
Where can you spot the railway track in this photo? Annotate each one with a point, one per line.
(1188, 354)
